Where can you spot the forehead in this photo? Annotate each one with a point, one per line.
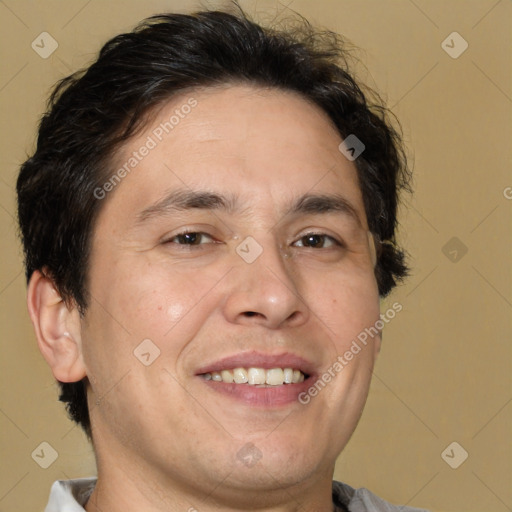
(252, 122)
(264, 146)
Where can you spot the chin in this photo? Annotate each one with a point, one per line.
(281, 462)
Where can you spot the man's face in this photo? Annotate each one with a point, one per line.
(275, 272)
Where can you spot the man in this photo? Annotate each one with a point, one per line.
(208, 222)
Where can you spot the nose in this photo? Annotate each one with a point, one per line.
(265, 292)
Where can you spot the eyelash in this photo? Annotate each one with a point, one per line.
(184, 233)
(333, 240)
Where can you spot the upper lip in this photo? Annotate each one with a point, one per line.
(255, 359)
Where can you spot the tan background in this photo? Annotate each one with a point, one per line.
(444, 373)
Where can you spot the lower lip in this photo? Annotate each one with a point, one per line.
(267, 397)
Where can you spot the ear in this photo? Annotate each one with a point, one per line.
(57, 328)
(377, 342)
(372, 242)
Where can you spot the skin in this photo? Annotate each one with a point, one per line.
(163, 439)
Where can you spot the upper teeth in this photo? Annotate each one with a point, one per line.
(254, 376)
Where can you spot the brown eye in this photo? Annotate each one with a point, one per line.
(190, 238)
(316, 241)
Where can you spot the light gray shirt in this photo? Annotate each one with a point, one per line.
(72, 495)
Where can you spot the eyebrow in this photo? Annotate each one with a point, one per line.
(182, 200)
(315, 204)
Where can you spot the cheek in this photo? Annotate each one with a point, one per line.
(346, 306)
(176, 311)
(155, 299)
(129, 306)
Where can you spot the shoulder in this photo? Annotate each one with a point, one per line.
(362, 500)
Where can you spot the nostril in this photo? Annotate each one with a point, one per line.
(250, 313)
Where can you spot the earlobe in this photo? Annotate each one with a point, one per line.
(57, 328)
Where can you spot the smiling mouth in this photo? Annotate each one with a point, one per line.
(257, 376)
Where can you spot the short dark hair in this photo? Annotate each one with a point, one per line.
(93, 111)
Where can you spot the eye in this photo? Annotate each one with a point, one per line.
(190, 238)
(317, 241)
